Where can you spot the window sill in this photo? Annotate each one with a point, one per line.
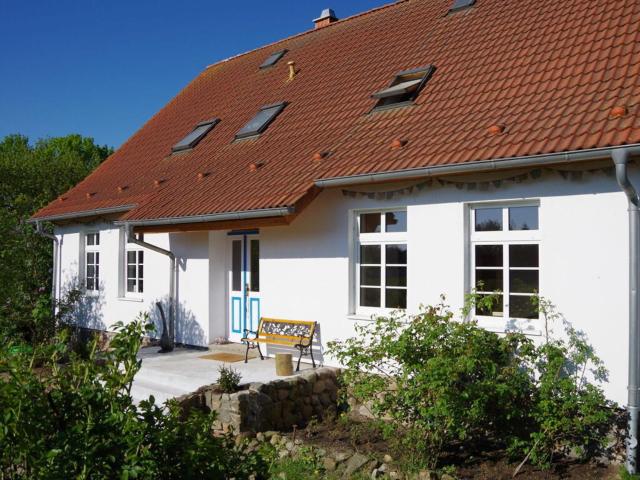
(531, 328)
(131, 299)
(359, 317)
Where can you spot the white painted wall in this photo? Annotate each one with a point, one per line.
(306, 271)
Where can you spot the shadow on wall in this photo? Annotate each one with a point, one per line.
(188, 331)
(88, 311)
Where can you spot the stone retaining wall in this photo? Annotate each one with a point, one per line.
(276, 405)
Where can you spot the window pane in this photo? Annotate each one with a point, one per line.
(396, 254)
(395, 298)
(131, 271)
(90, 271)
(370, 254)
(90, 239)
(370, 222)
(522, 306)
(131, 285)
(396, 221)
(89, 283)
(396, 276)
(370, 276)
(97, 276)
(139, 286)
(523, 281)
(97, 257)
(90, 257)
(488, 280)
(523, 218)
(523, 255)
(255, 265)
(140, 256)
(97, 238)
(488, 219)
(496, 310)
(140, 271)
(488, 255)
(369, 297)
(131, 257)
(236, 265)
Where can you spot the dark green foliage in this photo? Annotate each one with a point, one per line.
(74, 418)
(229, 379)
(438, 382)
(30, 177)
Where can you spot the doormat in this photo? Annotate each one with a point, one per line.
(224, 357)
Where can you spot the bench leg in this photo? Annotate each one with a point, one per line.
(260, 351)
(246, 355)
(313, 362)
(299, 358)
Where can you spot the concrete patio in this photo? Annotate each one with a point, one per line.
(169, 375)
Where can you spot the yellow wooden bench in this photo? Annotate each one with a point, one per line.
(289, 333)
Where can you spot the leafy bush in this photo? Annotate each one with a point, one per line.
(74, 418)
(229, 379)
(437, 382)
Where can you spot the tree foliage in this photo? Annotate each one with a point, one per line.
(30, 177)
(66, 416)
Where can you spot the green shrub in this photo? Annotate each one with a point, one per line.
(438, 382)
(73, 417)
(229, 379)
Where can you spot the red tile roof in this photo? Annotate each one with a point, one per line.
(549, 73)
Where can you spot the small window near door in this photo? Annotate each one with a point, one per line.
(135, 271)
(92, 262)
(236, 265)
(255, 266)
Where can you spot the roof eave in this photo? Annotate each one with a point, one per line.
(96, 212)
(476, 166)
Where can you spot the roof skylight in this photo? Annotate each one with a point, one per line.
(273, 59)
(404, 88)
(461, 5)
(197, 134)
(261, 121)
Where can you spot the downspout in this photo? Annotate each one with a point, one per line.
(54, 280)
(167, 344)
(621, 158)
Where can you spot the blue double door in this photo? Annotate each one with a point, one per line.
(243, 283)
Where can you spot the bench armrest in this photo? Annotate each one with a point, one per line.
(247, 332)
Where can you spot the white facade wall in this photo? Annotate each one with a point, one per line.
(307, 267)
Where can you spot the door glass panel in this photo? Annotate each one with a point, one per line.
(396, 254)
(523, 281)
(396, 276)
(488, 219)
(255, 265)
(236, 265)
(488, 280)
(495, 310)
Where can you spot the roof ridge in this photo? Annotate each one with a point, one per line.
(307, 32)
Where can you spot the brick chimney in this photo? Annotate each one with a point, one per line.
(326, 17)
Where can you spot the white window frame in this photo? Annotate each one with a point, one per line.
(382, 238)
(132, 247)
(506, 238)
(95, 250)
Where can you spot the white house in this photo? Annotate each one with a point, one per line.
(375, 163)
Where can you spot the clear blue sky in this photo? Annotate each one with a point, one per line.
(101, 68)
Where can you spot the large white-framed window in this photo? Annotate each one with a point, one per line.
(381, 261)
(134, 269)
(92, 262)
(505, 257)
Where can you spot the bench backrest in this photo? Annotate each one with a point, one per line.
(286, 329)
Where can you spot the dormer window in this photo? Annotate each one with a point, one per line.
(404, 88)
(273, 59)
(461, 5)
(261, 121)
(194, 137)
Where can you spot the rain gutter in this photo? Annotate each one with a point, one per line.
(472, 167)
(214, 217)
